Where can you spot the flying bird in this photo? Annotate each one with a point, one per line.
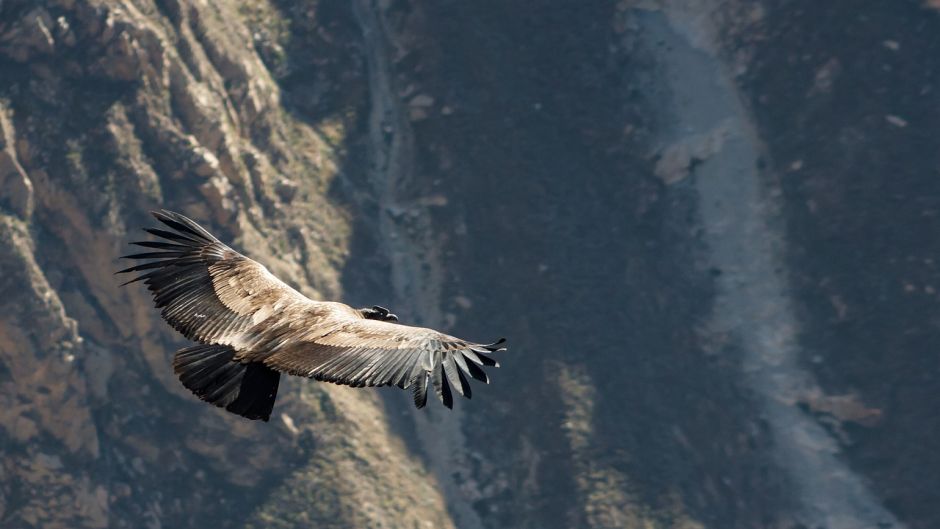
(251, 327)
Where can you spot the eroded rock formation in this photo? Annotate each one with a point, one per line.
(491, 167)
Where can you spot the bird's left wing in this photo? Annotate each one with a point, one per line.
(207, 291)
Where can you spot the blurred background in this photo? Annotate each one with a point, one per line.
(708, 229)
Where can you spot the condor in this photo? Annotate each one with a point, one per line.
(251, 327)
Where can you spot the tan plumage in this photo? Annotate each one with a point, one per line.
(252, 326)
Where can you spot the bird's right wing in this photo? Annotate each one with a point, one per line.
(361, 352)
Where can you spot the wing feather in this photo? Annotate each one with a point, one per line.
(477, 373)
(440, 384)
(450, 370)
(464, 385)
(461, 362)
(420, 391)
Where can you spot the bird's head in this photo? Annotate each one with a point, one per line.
(378, 313)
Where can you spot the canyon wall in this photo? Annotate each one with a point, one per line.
(705, 228)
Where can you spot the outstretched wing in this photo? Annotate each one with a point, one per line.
(377, 353)
(207, 291)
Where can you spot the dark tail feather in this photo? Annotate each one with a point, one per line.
(212, 374)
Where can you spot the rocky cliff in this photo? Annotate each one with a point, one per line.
(704, 226)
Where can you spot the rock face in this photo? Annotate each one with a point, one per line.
(110, 109)
(706, 228)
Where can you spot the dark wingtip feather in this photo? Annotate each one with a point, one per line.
(184, 224)
(160, 245)
(481, 359)
(447, 398)
(441, 387)
(420, 390)
(142, 267)
(478, 373)
(180, 226)
(464, 386)
(152, 255)
(453, 374)
(172, 236)
(496, 346)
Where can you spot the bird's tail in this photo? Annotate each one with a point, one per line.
(212, 373)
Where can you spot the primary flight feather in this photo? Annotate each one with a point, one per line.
(251, 327)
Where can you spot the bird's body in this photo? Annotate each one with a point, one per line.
(251, 327)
